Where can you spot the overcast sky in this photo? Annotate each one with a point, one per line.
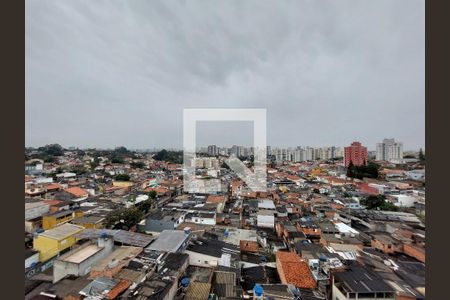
(111, 73)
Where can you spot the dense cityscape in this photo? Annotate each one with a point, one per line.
(334, 223)
(224, 150)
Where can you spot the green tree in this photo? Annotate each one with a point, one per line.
(78, 169)
(121, 150)
(146, 205)
(169, 156)
(351, 170)
(152, 194)
(122, 177)
(137, 165)
(421, 155)
(52, 150)
(94, 164)
(370, 170)
(378, 202)
(129, 217)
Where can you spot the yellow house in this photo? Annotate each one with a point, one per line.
(89, 222)
(122, 184)
(52, 220)
(51, 242)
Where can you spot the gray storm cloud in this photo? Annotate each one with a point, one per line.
(109, 73)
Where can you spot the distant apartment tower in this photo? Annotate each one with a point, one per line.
(389, 150)
(355, 153)
(237, 151)
(310, 153)
(213, 150)
(299, 155)
(339, 152)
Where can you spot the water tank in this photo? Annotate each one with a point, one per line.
(323, 258)
(258, 291)
(185, 282)
(113, 263)
(187, 230)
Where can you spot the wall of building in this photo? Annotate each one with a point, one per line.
(34, 259)
(62, 268)
(405, 200)
(416, 252)
(31, 227)
(159, 225)
(172, 291)
(48, 247)
(49, 222)
(202, 260)
(337, 294)
(248, 246)
(199, 220)
(386, 248)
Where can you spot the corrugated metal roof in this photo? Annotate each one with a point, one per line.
(62, 231)
(121, 236)
(225, 277)
(198, 291)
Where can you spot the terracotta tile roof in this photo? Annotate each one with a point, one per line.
(118, 289)
(392, 171)
(159, 190)
(77, 191)
(53, 186)
(215, 198)
(292, 177)
(295, 270)
(52, 202)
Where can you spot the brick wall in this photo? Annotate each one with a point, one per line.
(414, 251)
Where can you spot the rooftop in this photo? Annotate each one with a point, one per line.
(295, 270)
(119, 254)
(77, 191)
(213, 248)
(198, 291)
(82, 254)
(88, 220)
(62, 231)
(121, 236)
(360, 280)
(168, 241)
(266, 204)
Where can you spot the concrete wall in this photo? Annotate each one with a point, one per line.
(32, 259)
(414, 251)
(62, 268)
(337, 294)
(202, 260)
(172, 291)
(158, 225)
(199, 220)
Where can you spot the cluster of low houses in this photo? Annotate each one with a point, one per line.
(307, 237)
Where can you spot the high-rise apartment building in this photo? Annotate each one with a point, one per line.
(213, 150)
(389, 150)
(355, 153)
